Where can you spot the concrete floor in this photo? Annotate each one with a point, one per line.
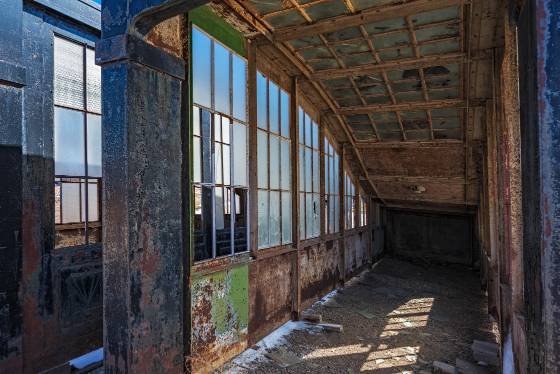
(397, 318)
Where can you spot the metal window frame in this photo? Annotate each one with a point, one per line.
(84, 111)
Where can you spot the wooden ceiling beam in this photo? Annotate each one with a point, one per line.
(420, 105)
(404, 64)
(366, 16)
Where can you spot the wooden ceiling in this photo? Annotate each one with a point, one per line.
(395, 77)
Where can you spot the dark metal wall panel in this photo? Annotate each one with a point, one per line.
(320, 270)
(440, 237)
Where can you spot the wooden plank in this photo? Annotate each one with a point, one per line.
(404, 64)
(367, 16)
(420, 105)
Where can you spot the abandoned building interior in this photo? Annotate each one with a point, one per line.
(220, 166)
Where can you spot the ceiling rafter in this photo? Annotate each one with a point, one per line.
(255, 22)
(419, 105)
(366, 16)
(414, 42)
(404, 64)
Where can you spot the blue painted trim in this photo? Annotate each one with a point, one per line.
(12, 73)
(84, 11)
(129, 47)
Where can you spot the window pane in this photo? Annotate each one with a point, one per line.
(68, 142)
(302, 215)
(315, 134)
(308, 170)
(308, 215)
(316, 215)
(307, 130)
(93, 202)
(226, 124)
(274, 162)
(273, 96)
(196, 160)
(262, 159)
(263, 219)
(218, 127)
(196, 120)
(218, 162)
(68, 74)
(286, 217)
(201, 45)
(285, 113)
(274, 216)
(286, 166)
(239, 152)
(239, 88)
(207, 165)
(94, 145)
(241, 222)
(261, 101)
(301, 168)
(202, 223)
(70, 202)
(221, 79)
(226, 157)
(223, 223)
(316, 171)
(93, 76)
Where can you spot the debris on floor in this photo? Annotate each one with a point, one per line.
(397, 318)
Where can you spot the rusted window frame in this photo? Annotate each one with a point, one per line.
(331, 178)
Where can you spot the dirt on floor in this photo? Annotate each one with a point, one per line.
(398, 317)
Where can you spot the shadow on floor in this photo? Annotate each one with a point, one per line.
(398, 317)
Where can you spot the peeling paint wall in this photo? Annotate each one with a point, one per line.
(220, 317)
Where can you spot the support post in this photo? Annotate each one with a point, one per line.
(143, 259)
(12, 80)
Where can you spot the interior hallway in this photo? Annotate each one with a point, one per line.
(398, 317)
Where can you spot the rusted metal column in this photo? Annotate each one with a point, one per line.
(12, 81)
(294, 134)
(547, 15)
(143, 247)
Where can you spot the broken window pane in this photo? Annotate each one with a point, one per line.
(201, 66)
(69, 142)
(206, 139)
(241, 222)
(202, 223)
(221, 79)
(223, 221)
(239, 88)
(68, 73)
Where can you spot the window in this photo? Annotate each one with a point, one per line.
(308, 176)
(219, 128)
(363, 210)
(274, 164)
(349, 203)
(332, 194)
(77, 144)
